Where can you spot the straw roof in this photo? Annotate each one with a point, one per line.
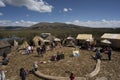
(110, 36)
(69, 37)
(50, 38)
(84, 37)
(106, 41)
(57, 39)
(36, 39)
(24, 45)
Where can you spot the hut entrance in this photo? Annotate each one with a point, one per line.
(39, 42)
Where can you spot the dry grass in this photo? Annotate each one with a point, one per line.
(80, 66)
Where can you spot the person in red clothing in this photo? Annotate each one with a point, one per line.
(72, 77)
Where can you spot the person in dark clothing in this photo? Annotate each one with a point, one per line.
(62, 55)
(39, 51)
(109, 52)
(98, 54)
(58, 56)
(4, 55)
(72, 77)
(22, 74)
(43, 48)
(5, 61)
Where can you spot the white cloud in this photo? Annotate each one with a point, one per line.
(67, 9)
(1, 14)
(103, 23)
(16, 23)
(2, 3)
(34, 5)
(70, 9)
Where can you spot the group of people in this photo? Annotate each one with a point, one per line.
(59, 56)
(24, 73)
(29, 49)
(41, 50)
(106, 50)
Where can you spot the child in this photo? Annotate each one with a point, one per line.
(35, 66)
(72, 77)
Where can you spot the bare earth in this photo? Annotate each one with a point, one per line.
(80, 66)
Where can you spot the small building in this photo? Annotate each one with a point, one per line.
(38, 41)
(69, 41)
(24, 45)
(113, 38)
(85, 40)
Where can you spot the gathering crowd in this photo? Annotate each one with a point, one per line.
(41, 51)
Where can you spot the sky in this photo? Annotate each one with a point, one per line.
(90, 13)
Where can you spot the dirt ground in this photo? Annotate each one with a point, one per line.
(80, 66)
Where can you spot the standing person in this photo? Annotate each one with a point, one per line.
(109, 52)
(29, 49)
(98, 54)
(35, 65)
(44, 48)
(22, 74)
(4, 55)
(58, 56)
(32, 49)
(72, 77)
(38, 50)
(3, 75)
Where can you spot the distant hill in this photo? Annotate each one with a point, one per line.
(45, 25)
(11, 27)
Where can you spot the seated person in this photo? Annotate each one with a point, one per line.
(5, 61)
(53, 58)
(62, 55)
(76, 53)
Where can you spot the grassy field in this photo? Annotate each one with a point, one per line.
(58, 32)
(80, 66)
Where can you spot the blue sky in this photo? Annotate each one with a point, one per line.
(93, 13)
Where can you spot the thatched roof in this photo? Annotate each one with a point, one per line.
(38, 38)
(84, 37)
(57, 39)
(106, 41)
(50, 38)
(70, 38)
(24, 45)
(110, 36)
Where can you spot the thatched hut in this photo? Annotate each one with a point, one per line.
(85, 37)
(38, 41)
(85, 40)
(113, 38)
(5, 47)
(69, 41)
(24, 45)
(49, 39)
